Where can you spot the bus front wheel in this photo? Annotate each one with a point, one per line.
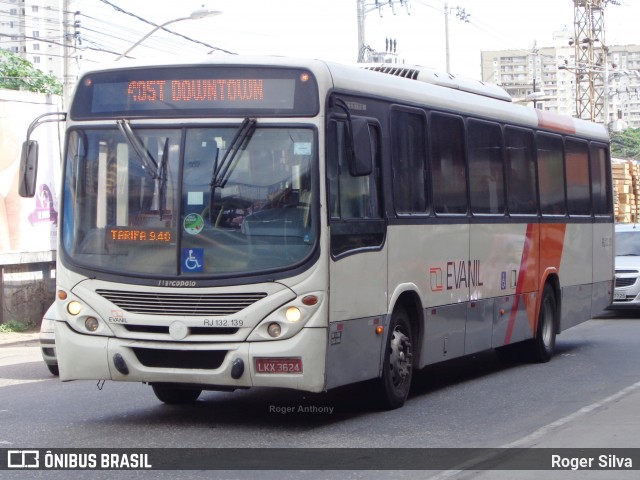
(397, 368)
(175, 395)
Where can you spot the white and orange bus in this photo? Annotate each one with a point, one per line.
(242, 222)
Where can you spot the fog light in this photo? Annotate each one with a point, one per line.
(293, 314)
(91, 324)
(274, 330)
(74, 307)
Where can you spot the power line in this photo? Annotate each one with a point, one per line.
(119, 9)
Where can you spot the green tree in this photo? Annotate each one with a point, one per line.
(16, 73)
(626, 144)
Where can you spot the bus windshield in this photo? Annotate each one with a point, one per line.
(198, 201)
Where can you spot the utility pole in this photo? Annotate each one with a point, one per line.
(460, 14)
(363, 9)
(361, 17)
(67, 38)
(446, 37)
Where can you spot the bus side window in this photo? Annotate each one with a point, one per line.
(600, 184)
(355, 206)
(448, 169)
(409, 162)
(352, 197)
(577, 167)
(486, 183)
(521, 172)
(551, 174)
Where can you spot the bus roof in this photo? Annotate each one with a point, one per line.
(417, 86)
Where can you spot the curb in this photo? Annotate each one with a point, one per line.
(15, 339)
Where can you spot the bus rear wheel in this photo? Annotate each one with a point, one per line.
(397, 368)
(175, 395)
(540, 348)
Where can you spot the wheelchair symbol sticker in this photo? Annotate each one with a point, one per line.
(192, 259)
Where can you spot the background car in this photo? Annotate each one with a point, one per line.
(48, 340)
(627, 266)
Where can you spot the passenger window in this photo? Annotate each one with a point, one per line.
(600, 185)
(577, 167)
(409, 162)
(486, 174)
(448, 169)
(551, 175)
(521, 172)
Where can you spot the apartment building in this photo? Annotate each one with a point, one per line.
(523, 72)
(42, 31)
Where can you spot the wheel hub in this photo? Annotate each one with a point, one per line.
(400, 358)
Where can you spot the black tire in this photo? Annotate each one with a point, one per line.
(54, 370)
(175, 396)
(392, 388)
(540, 349)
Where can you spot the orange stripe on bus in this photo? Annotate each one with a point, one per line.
(541, 253)
(558, 123)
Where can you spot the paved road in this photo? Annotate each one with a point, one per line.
(587, 396)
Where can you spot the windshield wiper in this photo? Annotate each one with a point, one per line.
(162, 179)
(222, 170)
(146, 158)
(240, 140)
(158, 174)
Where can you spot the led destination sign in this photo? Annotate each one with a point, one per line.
(195, 91)
(223, 90)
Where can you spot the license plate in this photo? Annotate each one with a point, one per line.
(278, 365)
(619, 296)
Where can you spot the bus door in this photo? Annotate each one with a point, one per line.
(358, 263)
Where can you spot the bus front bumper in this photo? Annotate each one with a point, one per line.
(214, 365)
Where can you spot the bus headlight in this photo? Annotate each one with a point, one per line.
(290, 318)
(293, 314)
(74, 307)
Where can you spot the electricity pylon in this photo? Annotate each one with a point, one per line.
(591, 58)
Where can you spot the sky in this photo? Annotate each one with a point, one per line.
(327, 29)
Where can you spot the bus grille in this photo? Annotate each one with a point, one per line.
(625, 282)
(199, 359)
(193, 331)
(185, 304)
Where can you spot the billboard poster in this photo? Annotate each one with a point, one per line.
(28, 224)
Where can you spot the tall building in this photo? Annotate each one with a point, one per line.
(624, 86)
(523, 72)
(546, 78)
(41, 32)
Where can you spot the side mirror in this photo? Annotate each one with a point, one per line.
(361, 157)
(28, 168)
